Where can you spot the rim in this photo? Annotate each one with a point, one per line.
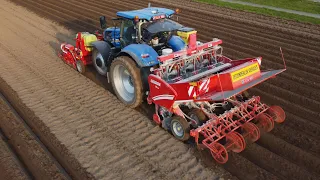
(196, 122)
(124, 83)
(220, 154)
(236, 141)
(177, 129)
(265, 122)
(277, 114)
(79, 68)
(99, 64)
(269, 123)
(253, 132)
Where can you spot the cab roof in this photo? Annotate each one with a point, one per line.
(146, 13)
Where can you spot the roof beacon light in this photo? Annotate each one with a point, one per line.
(136, 19)
(177, 11)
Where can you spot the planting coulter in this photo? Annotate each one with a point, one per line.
(198, 93)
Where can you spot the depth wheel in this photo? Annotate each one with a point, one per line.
(265, 122)
(81, 68)
(235, 142)
(180, 128)
(219, 153)
(126, 81)
(198, 116)
(277, 114)
(251, 132)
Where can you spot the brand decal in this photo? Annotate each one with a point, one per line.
(244, 72)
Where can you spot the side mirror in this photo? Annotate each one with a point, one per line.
(103, 22)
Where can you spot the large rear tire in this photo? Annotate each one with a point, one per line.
(126, 81)
(99, 62)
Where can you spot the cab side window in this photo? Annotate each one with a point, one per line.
(128, 31)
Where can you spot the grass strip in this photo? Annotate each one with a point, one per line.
(264, 11)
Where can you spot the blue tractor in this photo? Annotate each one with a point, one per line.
(126, 53)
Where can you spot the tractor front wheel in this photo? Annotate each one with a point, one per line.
(126, 81)
(180, 128)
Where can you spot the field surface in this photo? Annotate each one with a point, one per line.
(84, 132)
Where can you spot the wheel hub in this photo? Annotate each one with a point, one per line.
(124, 83)
(130, 81)
(99, 62)
(177, 128)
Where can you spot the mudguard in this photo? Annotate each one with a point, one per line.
(105, 49)
(143, 54)
(161, 93)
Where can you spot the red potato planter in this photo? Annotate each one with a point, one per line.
(197, 92)
(232, 119)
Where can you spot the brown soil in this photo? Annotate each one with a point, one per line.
(27, 146)
(10, 166)
(291, 150)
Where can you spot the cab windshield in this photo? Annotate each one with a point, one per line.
(160, 29)
(161, 25)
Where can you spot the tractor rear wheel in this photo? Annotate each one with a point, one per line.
(126, 81)
(180, 128)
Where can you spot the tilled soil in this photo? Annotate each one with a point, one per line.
(291, 150)
(31, 152)
(10, 166)
(88, 131)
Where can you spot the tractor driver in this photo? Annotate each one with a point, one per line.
(129, 33)
(154, 39)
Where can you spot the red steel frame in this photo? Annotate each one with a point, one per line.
(220, 134)
(216, 128)
(71, 54)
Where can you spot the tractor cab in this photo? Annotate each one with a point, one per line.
(152, 26)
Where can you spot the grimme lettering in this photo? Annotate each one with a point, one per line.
(244, 72)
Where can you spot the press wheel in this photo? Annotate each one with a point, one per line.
(277, 114)
(235, 142)
(251, 132)
(265, 122)
(219, 153)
